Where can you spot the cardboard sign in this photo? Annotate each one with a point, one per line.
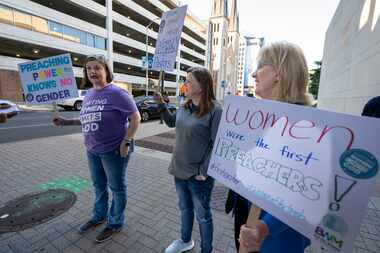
(311, 169)
(168, 39)
(48, 80)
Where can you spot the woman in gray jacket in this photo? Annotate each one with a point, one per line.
(196, 125)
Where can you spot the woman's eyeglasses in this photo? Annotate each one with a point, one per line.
(260, 65)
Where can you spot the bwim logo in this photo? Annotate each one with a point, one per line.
(330, 238)
(29, 97)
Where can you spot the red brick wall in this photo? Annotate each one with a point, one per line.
(10, 85)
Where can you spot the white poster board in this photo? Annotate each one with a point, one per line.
(311, 169)
(48, 80)
(169, 36)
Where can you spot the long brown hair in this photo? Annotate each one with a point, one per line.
(204, 78)
(100, 59)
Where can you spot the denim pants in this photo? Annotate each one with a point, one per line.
(196, 195)
(109, 170)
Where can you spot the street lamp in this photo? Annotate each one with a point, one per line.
(250, 38)
(147, 55)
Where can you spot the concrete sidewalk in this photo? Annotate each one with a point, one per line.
(152, 216)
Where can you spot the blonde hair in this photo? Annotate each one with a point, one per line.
(291, 66)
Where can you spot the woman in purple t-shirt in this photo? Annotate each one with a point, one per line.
(108, 138)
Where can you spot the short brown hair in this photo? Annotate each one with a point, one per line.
(102, 60)
(204, 78)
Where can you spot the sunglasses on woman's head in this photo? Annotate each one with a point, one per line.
(98, 57)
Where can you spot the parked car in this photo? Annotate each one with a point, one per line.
(73, 103)
(8, 107)
(148, 107)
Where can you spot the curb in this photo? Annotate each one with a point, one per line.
(28, 108)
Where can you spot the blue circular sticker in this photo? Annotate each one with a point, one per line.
(359, 163)
(29, 97)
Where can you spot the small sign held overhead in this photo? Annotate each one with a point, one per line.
(169, 36)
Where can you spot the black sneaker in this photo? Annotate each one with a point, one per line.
(106, 234)
(89, 225)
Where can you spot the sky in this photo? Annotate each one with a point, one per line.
(303, 22)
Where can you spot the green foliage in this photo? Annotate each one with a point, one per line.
(315, 75)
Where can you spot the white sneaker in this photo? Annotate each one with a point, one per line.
(179, 246)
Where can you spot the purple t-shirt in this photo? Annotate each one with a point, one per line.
(104, 118)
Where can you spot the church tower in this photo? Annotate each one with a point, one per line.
(219, 8)
(218, 45)
(233, 17)
(233, 47)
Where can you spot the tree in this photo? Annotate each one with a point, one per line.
(315, 75)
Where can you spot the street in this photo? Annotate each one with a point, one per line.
(31, 161)
(33, 125)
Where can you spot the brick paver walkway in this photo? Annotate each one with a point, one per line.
(152, 216)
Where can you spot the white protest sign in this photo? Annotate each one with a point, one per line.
(48, 80)
(312, 169)
(168, 39)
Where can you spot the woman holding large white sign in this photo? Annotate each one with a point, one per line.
(196, 125)
(109, 119)
(281, 75)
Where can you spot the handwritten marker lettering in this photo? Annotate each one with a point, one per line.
(259, 119)
(342, 187)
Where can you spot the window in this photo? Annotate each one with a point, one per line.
(100, 42)
(218, 27)
(55, 29)
(90, 40)
(73, 34)
(23, 20)
(82, 37)
(40, 25)
(6, 15)
(20, 19)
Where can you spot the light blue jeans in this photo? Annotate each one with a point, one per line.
(196, 195)
(109, 170)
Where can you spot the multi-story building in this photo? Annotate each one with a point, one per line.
(223, 46)
(32, 29)
(248, 50)
(351, 59)
(241, 67)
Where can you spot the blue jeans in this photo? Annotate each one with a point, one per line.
(109, 170)
(196, 195)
